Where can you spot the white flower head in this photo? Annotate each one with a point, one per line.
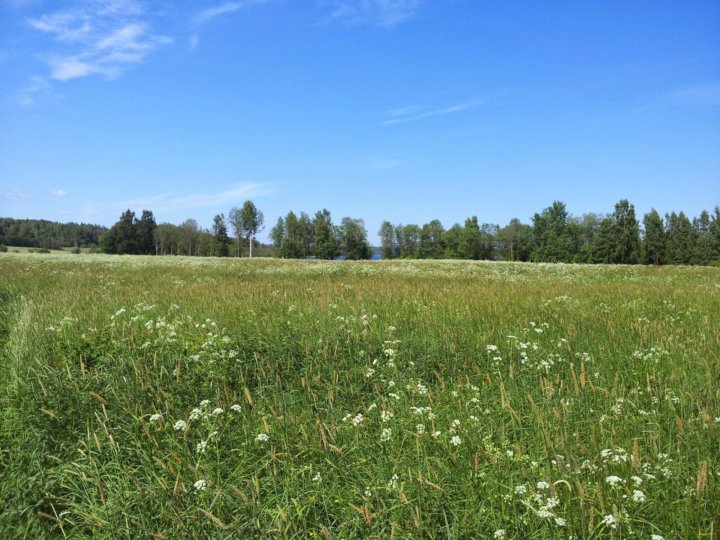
(180, 425)
(638, 496)
(456, 441)
(542, 485)
(201, 447)
(237, 408)
(614, 480)
(156, 417)
(386, 434)
(500, 533)
(262, 437)
(200, 485)
(217, 411)
(205, 403)
(611, 521)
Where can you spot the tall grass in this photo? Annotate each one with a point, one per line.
(187, 398)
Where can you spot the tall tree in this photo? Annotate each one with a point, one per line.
(654, 238)
(291, 246)
(253, 222)
(627, 234)
(220, 236)
(189, 230)
(551, 235)
(326, 242)
(431, 240)
(354, 239)
(408, 239)
(388, 243)
(145, 230)
(277, 233)
(680, 242)
(307, 234)
(236, 222)
(514, 241)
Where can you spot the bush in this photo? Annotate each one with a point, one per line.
(3, 248)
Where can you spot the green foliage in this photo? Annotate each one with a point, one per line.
(3, 248)
(551, 235)
(353, 239)
(680, 239)
(389, 248)
(326, 241)
(221, 239)
(654, 239)
(48, 234)
(253, 222)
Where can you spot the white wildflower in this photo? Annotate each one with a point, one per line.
(156, 417)
(237, 408)
(317, 477)
(200, 485)
(201, 447)
(521, 489)
(392, 484)
(560, 522)
(542, 485)
(614, 480)
(386, 434)
(656, 537)
(385, 416)
(195, 414)
(205, 403)
(358, 419)
(611, 521)
(455, 441)
(638, 496)
(436, 434)
(262, 437)
(500, 533)
(420, 428)
(217, 411)
(180, 425)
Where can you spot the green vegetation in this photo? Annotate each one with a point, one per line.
(182, 397)
(41, 233)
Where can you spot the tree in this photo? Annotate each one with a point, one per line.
(306, 233)
(408, 239)
(388, 242)
(354, 239)
(514, 241)
(188, 232)
(277, 233)
(121, 238)
(431, 240)
(654, 239)
(627, 234)
(326, 242)
(452, 240)
(252, 221)
(470, 245)
(236, 222)
(220, 237)
(551, 235)
(145, 230)
(291, 246)
(680, 239)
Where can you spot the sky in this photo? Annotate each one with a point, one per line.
(398, 110)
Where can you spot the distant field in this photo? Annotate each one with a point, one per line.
(206, 398)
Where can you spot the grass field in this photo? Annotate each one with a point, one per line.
(204, 398)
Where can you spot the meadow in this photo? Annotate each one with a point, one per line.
(170, 397)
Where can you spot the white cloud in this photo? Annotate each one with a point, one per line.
(102, 37)
(223, 9)
(16, 195)
(167, 203)
(412, 114)
(703, 95)
(384, 13)
(36, 86)
(58, 192)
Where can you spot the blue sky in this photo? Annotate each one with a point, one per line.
(406, 110)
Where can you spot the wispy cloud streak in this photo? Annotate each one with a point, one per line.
(703, 95)
(223, 9)
(406, 114)
(383, 13)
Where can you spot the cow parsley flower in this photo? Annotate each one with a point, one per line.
(455, 441)
(195, 414)
(638, 496)
(542, 485)
(237, 408)
(613, 480)
(611, 521)
(156, 417)
(392, 484)
(217, 411)
(200, 485)
(201, 447)
(656, 537)
(560, 522)
(500, 533)
(180, 425)
(386, 434)
(262, 437)
(317, 477)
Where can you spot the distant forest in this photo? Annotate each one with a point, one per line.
(554, 236)
(40, 233)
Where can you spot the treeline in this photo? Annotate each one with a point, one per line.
(40, 233)
(300, 237)
(131, 235)
(555, 236)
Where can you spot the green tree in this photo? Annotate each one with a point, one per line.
(277, 233)
(291, 245)
(515, 241)
(680, 243)
(408, 239)
(145, 231)
(307, 235)
(653, 244)
(551, 235)
(220, 237)
(452, 240)
(627, 234)
(470, 246)
(253, 222)
(431, 240)
(354, 239)
(326, 242)
(388, 242)
(236, 222)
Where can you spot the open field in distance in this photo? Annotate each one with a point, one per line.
(213, 398)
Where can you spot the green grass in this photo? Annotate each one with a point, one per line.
(410, 399)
